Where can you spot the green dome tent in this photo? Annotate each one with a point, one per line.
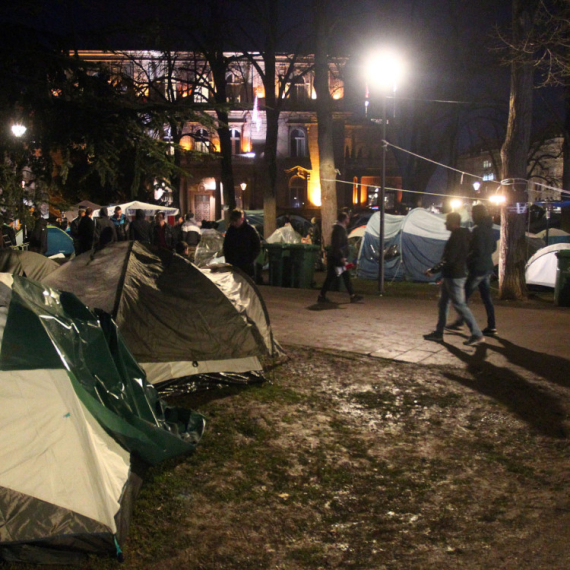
(77, 419)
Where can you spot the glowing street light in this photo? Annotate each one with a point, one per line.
(498, 199)
(476, 185)
(18, 130)
(456, 204)
(243, 186)
(384, 70)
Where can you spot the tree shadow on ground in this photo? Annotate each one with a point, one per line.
(323, 306)
(532, 403)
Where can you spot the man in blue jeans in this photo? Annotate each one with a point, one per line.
(453, 272)
(480, 266)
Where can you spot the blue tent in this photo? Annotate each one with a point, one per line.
(419, 238)
(59, 242)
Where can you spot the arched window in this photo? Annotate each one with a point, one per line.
(234, 87)
(202, 140)
(235, 137)
(297, 192)
(298, 140)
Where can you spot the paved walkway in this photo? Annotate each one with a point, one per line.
(530, 340)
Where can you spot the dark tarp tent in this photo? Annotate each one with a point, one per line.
(26, 263)
(177, 320)
(77, 420)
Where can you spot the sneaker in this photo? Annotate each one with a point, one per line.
(454, 326)
(473, 340)
(435, 336)
(489, 331)
(356, 298)
(323, 299)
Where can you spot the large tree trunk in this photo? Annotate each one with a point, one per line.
(327, 170)
(514, 156)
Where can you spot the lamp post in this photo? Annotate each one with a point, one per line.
(384, 70)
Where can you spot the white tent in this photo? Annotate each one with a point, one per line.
(130, 209)
(541, 267)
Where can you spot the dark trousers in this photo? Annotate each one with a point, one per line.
(332, 277)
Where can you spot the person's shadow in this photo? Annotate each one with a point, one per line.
(532, 403)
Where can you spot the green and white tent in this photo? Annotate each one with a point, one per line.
(177, 320)
(78, 424)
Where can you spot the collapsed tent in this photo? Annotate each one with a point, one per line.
(541, 267)
(78, 424)
(177, 320)
(26, 263)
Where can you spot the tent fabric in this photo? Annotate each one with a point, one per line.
(419, 236)
(78, 415)
(130, 209)
(59, 242)
(26, 263)
(555, 235)
(541, 267)
(73, 212)
(175, 317)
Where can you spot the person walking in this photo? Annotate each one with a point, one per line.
(453, 272)
(139, 229)
(191, 232)
(121, 224)
(480, 267)
(336, 261)
(241, 243)
(105, 229)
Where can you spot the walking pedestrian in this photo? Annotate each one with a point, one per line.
(74, 229)
(38, 237)
(337, 259)
(87, 234)
(453, 272)
(480, 266)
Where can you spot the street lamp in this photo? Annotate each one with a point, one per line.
(18, 130)
(384, 70)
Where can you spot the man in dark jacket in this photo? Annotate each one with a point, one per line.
(161, 233)
(38, 237)
(74, 229)
(336, 261)
(480, 266)
(106, 229)
(139, 229)
(241, 243)
(453, 272)
(87, 232)
(121, 224)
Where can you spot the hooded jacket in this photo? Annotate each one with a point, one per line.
(483, 244)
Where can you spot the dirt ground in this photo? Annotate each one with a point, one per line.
(350, 462)
(343, 461)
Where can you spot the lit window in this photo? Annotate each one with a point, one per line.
(297, 192)
(486, 164)
(235, 137)
(490, 176)
(298, 146)
(202, 140)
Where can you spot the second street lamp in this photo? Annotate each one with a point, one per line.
(384, 71)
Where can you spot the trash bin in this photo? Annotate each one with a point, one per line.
(279, 264)
(562, 285)
(303, 258)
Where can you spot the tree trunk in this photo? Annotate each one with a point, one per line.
(327, 170)
(514, 156)
(566, 143)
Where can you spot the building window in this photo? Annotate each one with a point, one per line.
(202, 140)
(297, 192)
(298, 143)
(486, 164)
(235, 137)
(234, 87)
(298, 91)
(490, 176)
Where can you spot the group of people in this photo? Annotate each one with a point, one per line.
(466, 266)
(92, 234)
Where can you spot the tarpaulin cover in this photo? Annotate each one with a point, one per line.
(47, 329)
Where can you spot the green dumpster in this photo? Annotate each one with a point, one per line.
(562, 285)
(303, 259)
(279, 264)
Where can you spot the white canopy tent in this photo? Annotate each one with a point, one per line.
(130, 209)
